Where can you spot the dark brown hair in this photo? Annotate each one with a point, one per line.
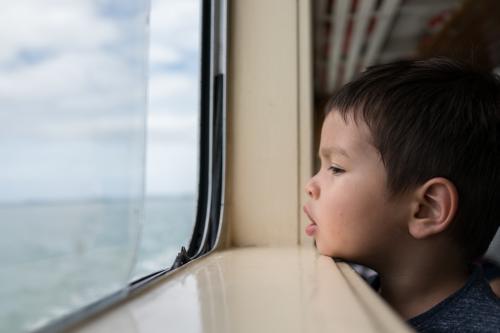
(435, 118)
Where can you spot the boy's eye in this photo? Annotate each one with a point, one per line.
(335, 170)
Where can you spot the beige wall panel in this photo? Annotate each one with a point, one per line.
(262, 162)
(305, 111)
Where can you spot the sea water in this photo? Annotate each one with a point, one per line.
(60, 256)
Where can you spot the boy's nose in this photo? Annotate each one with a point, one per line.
(311, 189)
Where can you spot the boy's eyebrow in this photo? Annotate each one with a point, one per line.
(327, 151)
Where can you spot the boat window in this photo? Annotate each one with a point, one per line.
(72, 118)
(172, 149)
(111, 139)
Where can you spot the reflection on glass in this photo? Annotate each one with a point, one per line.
(172, 140)
(72, 118)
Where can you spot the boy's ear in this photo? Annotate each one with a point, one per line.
(435, 206)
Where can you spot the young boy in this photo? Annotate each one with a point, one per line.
(409, 186)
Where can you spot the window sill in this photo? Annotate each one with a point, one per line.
(254, 290)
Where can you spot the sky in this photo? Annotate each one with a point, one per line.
(83, 83)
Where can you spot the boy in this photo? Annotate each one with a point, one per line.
(409, 186)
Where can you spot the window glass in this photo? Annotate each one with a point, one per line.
(72, 118)
(173, 135)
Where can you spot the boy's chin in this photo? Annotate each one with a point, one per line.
(326, 251)
(336, 254)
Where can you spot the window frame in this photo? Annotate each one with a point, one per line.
(212, 128)
(206, 234)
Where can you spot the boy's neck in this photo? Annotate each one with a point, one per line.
(414, 286)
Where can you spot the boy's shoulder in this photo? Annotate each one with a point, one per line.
(473, 308)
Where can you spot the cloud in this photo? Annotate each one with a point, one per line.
(73, 93)
(70, 170)
(174, 93)
(95, 77)
(172, 169)
(178, 22)
(52, 25)
(160, 53)
(164, 128)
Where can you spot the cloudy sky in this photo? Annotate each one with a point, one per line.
(77, 92)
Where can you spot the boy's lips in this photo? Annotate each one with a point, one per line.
(306, 210)
(311, 228)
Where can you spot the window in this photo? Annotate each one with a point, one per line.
(96, 191)
(172, 133)
(72, 86)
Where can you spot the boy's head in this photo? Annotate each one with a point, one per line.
(413, 152)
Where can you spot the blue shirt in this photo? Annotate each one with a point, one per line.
(473, 308)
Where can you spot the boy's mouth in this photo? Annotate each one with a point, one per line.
(306, 211)
(311, 228)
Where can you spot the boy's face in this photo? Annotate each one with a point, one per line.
(349, 202)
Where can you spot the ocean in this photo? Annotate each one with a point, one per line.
(60, 256)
